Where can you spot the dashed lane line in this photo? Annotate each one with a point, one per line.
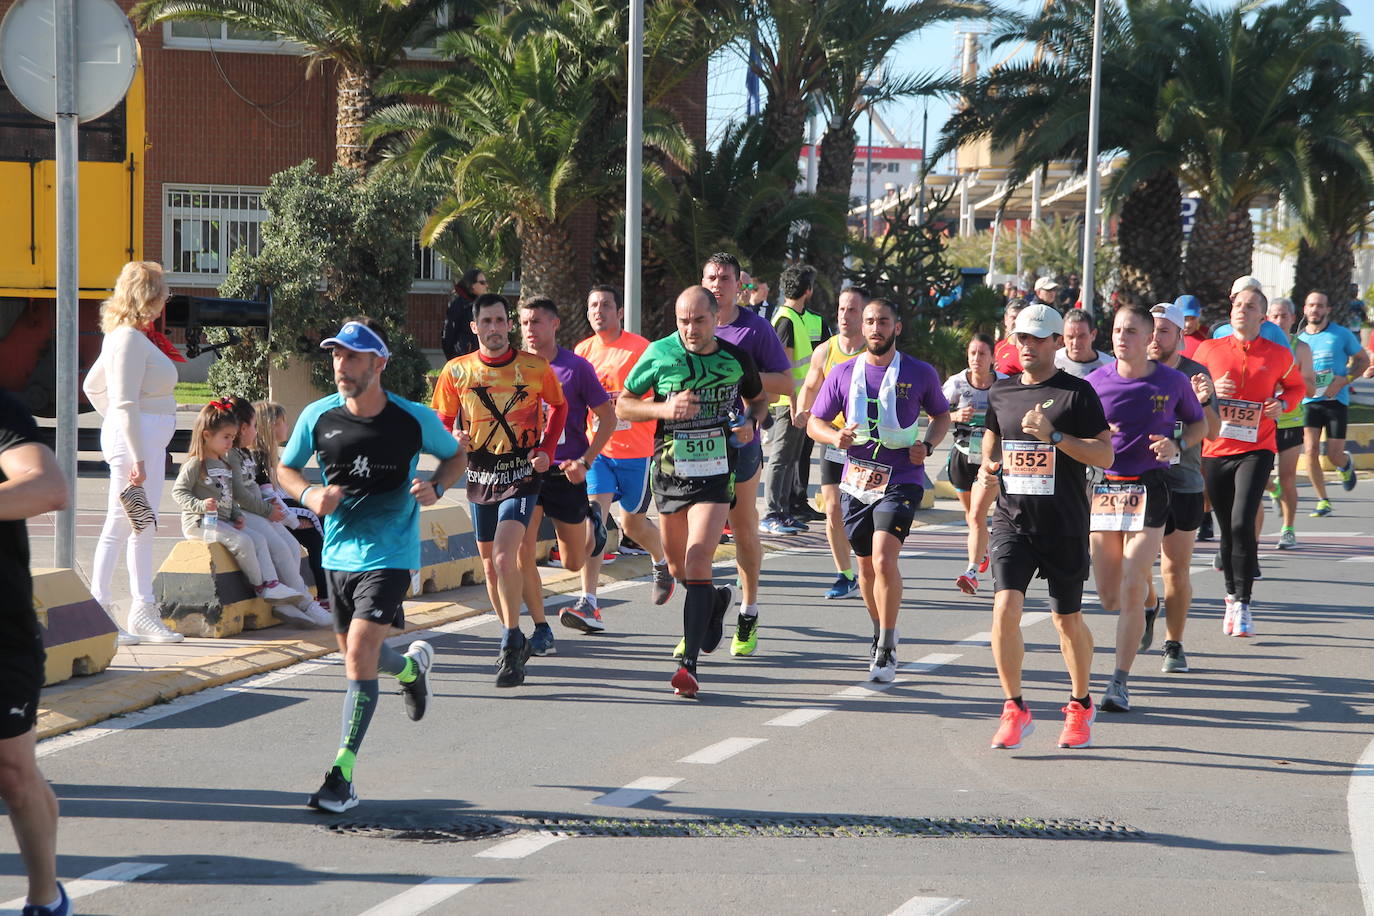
(519, 847)
(722, 750)
(101, 879)
(929, 906)
(637, 792)
(1360, 803)
(798, 717)
(421, 897)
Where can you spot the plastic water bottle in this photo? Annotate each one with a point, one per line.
(737, 421)
(209, 527)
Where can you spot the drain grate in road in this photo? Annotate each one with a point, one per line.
(839, 827)
(416, 830)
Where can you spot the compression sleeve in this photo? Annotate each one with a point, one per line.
(553, 430)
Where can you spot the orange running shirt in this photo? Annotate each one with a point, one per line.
(613, 363)
(1262, 369)
(501, 407)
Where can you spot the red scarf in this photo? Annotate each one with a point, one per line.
(160, 341)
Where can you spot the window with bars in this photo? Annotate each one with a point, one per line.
(203, 226)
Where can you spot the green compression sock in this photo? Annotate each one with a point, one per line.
(344, 761)
(410, 672)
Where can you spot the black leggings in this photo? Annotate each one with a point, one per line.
(1236, 485)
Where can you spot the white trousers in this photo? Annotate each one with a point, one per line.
(117, 534)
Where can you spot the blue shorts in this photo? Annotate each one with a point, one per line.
(626, 479)
(485, 517)
(749, 460)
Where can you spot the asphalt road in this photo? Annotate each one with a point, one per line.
(1228, 789)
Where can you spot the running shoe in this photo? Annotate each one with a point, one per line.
(715, 628)
(1175, 662)
(968, 581)
(629, 548)
(1323, 509)
(1228, 621)
(883, 668)
(1276, 494)
(1078, 725)
(664, 585)
(727, 534)
(1016, 725)
(598, 527)
(775, 525)
(1245, 624)
(416, 693)
(1258, 573)
(984, 563)
(1148, 637)
(842, 587)
(63, 907)
(510, 667)
(807, 513)
(336, 794)
(1117, 697)
(746, 638)
(555, 558)
(1348, 476)
(583, 615)
(541, 640)
(681, 648)
(1288, 539)
(685, 682)
(791, 521)
(896, 645)
(1204, 531)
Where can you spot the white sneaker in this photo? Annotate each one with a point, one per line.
(122, 636)
(312, 615)
(146, 623)
(280, 594)
(1228, 622)
(883, 668)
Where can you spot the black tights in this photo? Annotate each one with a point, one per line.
(1235, 484)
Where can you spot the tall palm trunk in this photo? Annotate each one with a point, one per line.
(1220, 249)
(547, 270)
(1151, 240)
(1326, 268)
(356, 102)
(834, 178)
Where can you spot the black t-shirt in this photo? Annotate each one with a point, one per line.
(1074, 409)
(18, 624)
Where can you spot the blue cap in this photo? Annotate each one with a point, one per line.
(356, 336)
(1189, 305)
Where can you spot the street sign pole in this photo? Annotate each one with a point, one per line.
(67, 252)
(634, 170)
(1090, 217)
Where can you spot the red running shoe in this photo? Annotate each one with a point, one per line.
(1016, 725)
(1078, 725)
(685, 682)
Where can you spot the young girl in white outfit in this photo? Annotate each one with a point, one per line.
(207, 485)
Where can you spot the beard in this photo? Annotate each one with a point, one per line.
(881, 349)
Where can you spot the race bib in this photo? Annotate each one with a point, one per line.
(977, 426)
(699, 453)
(1118, 507)
(865, 481)
(1028, 468)
(1324, 378)
(834, 454)
(1240, 420)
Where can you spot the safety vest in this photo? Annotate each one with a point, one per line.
(803, 344)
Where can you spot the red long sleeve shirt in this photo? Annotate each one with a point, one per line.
(1261, 370)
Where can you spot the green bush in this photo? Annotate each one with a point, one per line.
(333, 246)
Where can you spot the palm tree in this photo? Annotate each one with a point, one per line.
(364, 38)
(520, 135)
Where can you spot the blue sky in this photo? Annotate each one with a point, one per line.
(934, 49)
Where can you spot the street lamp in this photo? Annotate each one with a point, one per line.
(869, 92)
(634, 168)
(1094, 117)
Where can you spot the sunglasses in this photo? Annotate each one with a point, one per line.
(751, 286)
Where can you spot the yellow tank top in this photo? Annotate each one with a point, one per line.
(834, 355)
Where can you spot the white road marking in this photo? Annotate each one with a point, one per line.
(519, 847)
(722, 750)
(422, 897)
(929, 663)
(977, 639)
(93, 882)
(865, 689)
(929, 906)
(1031, 619)
(1358, 560)
(645, 787)
(798, 717)
(1360, 802)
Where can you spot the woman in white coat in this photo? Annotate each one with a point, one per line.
(131, 386)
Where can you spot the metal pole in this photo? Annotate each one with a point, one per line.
(868, 178)
(1036, 194)
(811, 154)
(925, 145)
(67, 277)
(1090, 213)
(634, 170)
(992, 251)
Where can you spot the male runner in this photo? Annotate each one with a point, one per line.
(697, 379)
(493, 400)
(1288, 435)
(1185, 495)
(1337, 359)
(846, 343)
(1079, 357)
(1044, 427)
(30, 484)
(881, 394)
(621, 470)
(1004, 358)
(367, 442)
(1194, 331)
(755, 336)
(1143, 401)
(563, 490)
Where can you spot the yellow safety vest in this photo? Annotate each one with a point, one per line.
(803, 345)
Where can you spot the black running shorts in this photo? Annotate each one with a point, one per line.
(563, 500)
(832, 472)
(375, 596)
(1185, 512)
(962, 472)
(893, 513)
(1062, 561)
(1284, 439)
(21, 679)
(1331, 416)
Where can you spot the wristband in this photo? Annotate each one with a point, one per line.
(930, 449)
(438, 488)
(585, 463)
(305, 491)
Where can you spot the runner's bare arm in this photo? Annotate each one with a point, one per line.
(1309, 376)
(811, 385)
(776, 383)
(1096, 451)
(449, 472)
(35, 484)
(605, 428)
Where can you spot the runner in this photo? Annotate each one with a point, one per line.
(697, 379)
(494, 401)
(1337, 359)
(1247, 371)
(1185, 495)
(1044, 427)
(756, 337)
(1004, 357)
(579, 524)
(1143, 401)
(882, 394)
(621, 470)
(967, 393)
(1079, 357)
(1194, 331)
(1288, 436)
(30, 484)
(367, 442)
(846, 343)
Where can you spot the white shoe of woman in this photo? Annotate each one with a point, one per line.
(146, 623)
(122, 636)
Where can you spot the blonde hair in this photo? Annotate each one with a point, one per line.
(212, 418)
(269, 412)
(138, 296)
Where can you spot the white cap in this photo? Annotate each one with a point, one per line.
(1246, 282)
(1045, 283)
(1170, 311)
(1039, 320)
